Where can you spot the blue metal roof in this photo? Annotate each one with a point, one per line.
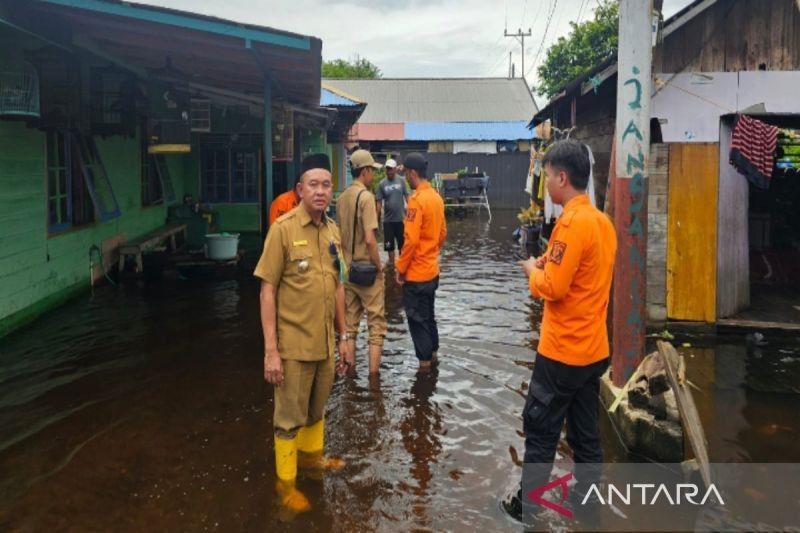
(330, 98)
(467, 131)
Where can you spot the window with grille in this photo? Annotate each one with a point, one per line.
(229, 174)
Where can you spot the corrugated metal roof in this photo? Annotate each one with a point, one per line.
(441, 100)
(331, 99)
(378, 132)
(467, 131)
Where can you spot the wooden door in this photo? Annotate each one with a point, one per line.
(692, 232)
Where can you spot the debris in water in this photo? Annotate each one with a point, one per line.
(514, 456)
(756, 339)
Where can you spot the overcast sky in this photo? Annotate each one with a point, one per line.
(416, 38)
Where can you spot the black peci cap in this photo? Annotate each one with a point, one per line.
(415, 161)
(313, 161)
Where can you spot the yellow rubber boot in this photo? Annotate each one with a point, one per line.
(310, 443)
(311, 439)
(292, 500)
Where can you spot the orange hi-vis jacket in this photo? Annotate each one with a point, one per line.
(575, 284)
(424, 234)
(281, 205)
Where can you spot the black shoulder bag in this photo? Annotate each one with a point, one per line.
(361, 272)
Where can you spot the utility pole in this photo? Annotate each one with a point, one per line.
(520, 36)
(629, 172)
(510, 72)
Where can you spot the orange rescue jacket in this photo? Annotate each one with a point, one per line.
(281, 205)
(424, 234)
(575, 284)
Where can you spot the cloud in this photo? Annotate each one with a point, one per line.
(415, 38)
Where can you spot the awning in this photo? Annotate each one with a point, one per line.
(208, 51)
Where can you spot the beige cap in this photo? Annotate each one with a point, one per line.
(362, 158)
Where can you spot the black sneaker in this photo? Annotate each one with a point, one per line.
(513, 506)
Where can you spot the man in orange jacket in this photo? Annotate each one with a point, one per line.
(573, 278)
(283, 203)
(417, 269)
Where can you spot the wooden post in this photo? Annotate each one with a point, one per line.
(632, 151)
(268, 193)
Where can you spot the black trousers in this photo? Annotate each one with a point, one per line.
(419, 301)
(393, 232)
(557, 392)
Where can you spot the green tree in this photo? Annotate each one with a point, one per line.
(587, 44)
(358, 68)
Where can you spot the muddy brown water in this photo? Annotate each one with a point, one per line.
(144, 407)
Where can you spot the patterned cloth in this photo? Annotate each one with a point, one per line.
(753, 150)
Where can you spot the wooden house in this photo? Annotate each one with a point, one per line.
(111, 112)
(719, 249)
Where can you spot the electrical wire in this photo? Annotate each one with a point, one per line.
(544, 37)
(580, 11)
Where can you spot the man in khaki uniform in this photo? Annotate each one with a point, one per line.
(358, 220)
(301, 298)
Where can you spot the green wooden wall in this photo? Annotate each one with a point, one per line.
(38, 270)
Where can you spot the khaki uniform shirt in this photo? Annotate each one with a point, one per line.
(297, 260)
(367, 218)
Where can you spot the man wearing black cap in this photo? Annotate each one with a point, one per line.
(302, 300)
(417, 268)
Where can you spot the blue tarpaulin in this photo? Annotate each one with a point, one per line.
(467, 131)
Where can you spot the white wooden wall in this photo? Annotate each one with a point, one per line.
(657, 233)
(733, 245)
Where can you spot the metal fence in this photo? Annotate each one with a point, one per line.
(508, 173)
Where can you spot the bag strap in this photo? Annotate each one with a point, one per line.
(355, 226)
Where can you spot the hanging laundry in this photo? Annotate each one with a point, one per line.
(753, 150)
(788, 151)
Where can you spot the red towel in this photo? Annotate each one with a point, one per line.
(755, 141)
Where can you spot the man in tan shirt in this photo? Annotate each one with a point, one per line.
(301, 298)
(358, 219)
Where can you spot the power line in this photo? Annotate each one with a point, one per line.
(544, 36)
(500, 60)
(580, 11)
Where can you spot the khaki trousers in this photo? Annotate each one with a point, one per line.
(301, 400)
(370, 299)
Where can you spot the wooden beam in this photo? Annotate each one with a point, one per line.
(155, 59)
(118, 29)
(686, 17)
(194, 48)
(690, 418)
(164, 17)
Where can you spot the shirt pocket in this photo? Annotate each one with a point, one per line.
(300, 262)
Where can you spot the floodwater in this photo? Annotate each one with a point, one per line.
(144, 407)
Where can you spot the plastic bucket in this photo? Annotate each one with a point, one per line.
(222, 246)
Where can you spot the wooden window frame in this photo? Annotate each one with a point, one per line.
(80, 157)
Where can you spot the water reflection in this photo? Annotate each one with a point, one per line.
(420, 428)
(145, 407)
